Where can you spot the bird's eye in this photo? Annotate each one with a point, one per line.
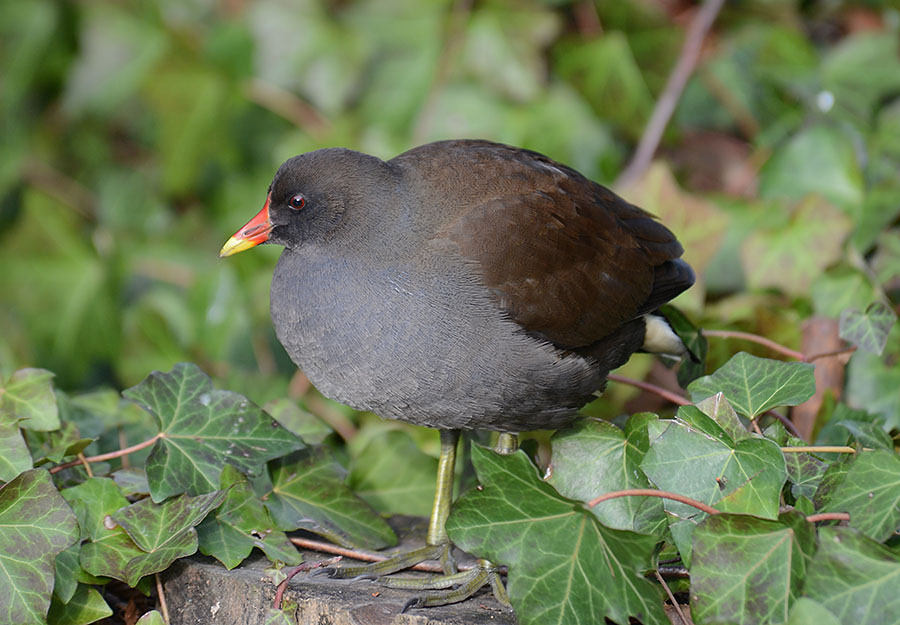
(297, 202)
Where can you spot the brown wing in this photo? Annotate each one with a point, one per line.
(567, 258)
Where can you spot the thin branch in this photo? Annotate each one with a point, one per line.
(651, 388)
(368, 556)
(665, 105)
(823, 449)
(755, 338)
(837, 352)
(287, 105)
(787, 423)
(652, 492)
(108, 456)
(674, 601)
(301, 568)
(61, 187)
(163, 607)
(828, 516)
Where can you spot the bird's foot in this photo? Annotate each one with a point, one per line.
(451, 587)
(443, 589)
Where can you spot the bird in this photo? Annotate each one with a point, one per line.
(461, 285)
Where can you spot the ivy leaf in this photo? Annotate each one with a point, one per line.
(391, 487)
(754, 385)
(308, 492)
(594, 457)
(868, 489)
(855, 578)
(805, 611)
(27, 397)
(744, 477)
(868, 330)
(149, 537)
(301, 423)
(151, 618)
(35, 525)
(240, 524)
(86, 606)
(202, 429)
(564, 566)
(692, 366)
(92, 501)
(56, 445)
(14, 455)
(719, 410)
(749, 570)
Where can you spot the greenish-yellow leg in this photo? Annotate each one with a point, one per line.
(452, 586)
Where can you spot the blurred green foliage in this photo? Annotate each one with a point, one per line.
(138, 135)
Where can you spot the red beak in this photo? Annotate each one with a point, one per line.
(253, 233)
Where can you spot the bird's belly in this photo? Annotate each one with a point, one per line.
(374, 342)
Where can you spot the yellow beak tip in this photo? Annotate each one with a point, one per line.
(235, 245)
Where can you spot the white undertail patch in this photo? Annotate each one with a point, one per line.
(660, 338)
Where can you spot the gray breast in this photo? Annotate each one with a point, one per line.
(422, 344)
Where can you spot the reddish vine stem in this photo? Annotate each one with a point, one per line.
(365, 556)
(671, 596)
(755, 338)
(108, 456)
(837, 352)
(306, 566)
(828, 516)
(652, 492)
(662, 494)
(675, 398)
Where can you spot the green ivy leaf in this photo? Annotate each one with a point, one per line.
(868, 330)
(593, 457)
(754, 385)
(855, 578)
(27, 397)
(719, 410)
(821, 160)
(805, 611)
(694, 364)
(151, 618)
(564, 566)
(201, 430)
(391, 487)
(14, 455)
(149, 537)
(308, 492)
(301, 423)
(748, 570)
(743, 477)
(86, 606)
(35, 525)
(92, 501)
(240, 524)
(868, 487)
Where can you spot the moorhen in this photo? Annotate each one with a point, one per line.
(462, 284)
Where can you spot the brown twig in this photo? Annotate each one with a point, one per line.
(822, 449)
(61, 187)
(287, 105)
(668, 100)
(365, 556)
(837, 352)
(87, 465)
(651, 388)
(108, 456)
(674, 601)
(306, 566)
(163, 607)
(652, 492)
(828, 516)
(755, 338)
(787, 423)
(453, 30)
